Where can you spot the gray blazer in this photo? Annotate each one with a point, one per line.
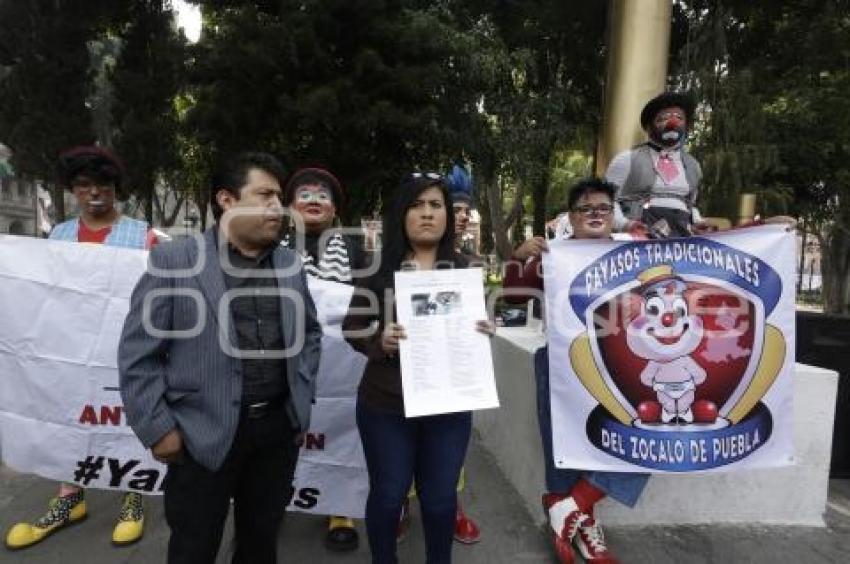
(188, 381)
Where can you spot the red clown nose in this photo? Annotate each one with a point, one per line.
(672, 123)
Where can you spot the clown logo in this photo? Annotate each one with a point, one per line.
(665, 335)
(678, 355)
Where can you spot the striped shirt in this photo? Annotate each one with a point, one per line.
(334, 263)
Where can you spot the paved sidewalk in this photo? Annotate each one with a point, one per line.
(510, 535)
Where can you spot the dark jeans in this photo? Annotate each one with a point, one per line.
(431, 450)
(256, 474)
(625, 487)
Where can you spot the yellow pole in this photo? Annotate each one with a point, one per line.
(746, 208)
(638, 45)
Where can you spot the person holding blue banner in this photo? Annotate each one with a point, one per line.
(94, 175)
(418, 234)
(572, 493)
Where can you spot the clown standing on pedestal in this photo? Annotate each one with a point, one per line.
(658, 181)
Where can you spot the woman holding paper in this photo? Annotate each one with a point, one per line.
(418, 234)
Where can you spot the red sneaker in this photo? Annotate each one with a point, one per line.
(563, 550)
(564, 519)
(466, 531)
(591, 543)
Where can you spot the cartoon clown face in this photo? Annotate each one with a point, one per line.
(664, 331)
(665, 334)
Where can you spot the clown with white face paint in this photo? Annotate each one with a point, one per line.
(665, 334)
(315, 195)
(658, 181)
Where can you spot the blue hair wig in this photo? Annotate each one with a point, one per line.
(459, 184)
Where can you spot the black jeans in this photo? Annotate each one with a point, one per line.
(256, 474)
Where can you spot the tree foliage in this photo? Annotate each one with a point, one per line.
(146, 79)
(45, 81)
(773, 79)
(376, 88)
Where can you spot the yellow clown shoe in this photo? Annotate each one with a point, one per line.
(131, 522)
(61, 512)
(342, 535)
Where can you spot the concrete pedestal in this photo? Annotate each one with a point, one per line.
(794, 495)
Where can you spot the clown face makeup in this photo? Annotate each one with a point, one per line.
(315, 204)
(96, 198)
(669, 127)
(592, 216)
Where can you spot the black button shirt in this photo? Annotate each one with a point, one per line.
(257, 320)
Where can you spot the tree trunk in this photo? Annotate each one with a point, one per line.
(802, 268)
(149, 209)
(502, 245)
(835, 271)
(541, 190)
(150, 194)
(58, 203)
(486, 244)
(168, 219)
(202, 209)
(541, 187)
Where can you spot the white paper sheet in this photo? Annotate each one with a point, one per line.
(446, 364)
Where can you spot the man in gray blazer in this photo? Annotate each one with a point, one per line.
(218, 360)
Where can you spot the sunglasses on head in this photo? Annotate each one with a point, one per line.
(428, 175)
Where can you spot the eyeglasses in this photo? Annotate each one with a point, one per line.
(600, 210)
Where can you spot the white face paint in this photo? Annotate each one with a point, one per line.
(315, 204)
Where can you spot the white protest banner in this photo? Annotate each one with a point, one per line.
(331, 476)
(61, 415)
(672, 355)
